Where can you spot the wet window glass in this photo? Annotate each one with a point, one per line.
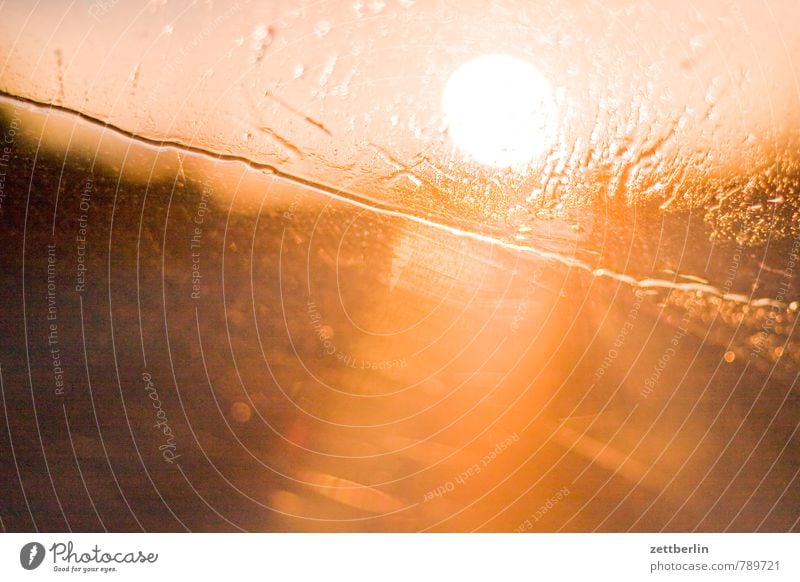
(399, 266)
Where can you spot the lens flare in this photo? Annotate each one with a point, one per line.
(499, 110)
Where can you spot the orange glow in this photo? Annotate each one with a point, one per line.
(400, 266)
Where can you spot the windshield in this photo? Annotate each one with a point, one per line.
(400, 266)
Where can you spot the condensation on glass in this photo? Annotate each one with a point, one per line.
(360, 317)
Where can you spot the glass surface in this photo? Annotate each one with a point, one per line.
(301, 267)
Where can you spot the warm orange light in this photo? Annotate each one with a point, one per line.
(499, 110)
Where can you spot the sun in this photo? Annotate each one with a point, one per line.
(499, 110)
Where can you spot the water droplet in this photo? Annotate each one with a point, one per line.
(241, 412)
(322, 28)
(259, 33)
(327, 71)
(376, 6)
(260, 39)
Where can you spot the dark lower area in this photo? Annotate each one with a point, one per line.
(335, 369)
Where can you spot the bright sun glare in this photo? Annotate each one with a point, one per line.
(499, 110)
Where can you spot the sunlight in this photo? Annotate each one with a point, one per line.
(499, 110)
